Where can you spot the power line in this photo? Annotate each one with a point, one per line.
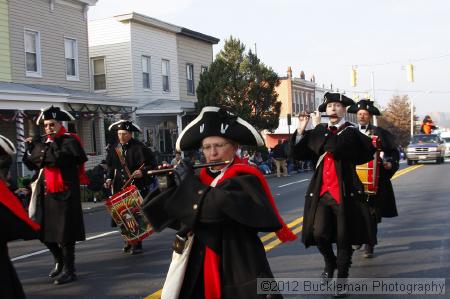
(404, 91)
(401, 61)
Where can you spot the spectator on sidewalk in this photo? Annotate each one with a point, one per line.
(280, 156)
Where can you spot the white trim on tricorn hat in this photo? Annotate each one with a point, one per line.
(7, 145)
(57, 114)
(126, 125)
(221, 123)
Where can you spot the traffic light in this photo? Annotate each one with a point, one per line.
(289, 119)
(410, 72)
(353, 77)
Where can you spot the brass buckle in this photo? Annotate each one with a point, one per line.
(178, 244)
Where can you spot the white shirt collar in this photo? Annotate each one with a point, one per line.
(363, 130)
(340, 123)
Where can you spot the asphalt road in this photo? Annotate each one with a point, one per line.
(414, 245)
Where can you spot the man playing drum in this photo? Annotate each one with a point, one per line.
(334, 211)
(382, 204)
(128, 160)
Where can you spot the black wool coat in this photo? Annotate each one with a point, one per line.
(384, 200)
(136, 154)
(349, 148)
(62, 218)
(227, 219)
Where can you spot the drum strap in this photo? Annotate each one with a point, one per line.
(122, 161)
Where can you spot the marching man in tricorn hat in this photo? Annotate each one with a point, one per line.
(221, 211)
(334, 211)
(60, 158)
(128, 159)
(383, 203)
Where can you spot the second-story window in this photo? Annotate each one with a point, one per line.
(146, 72)
(165, 75)
(190, 78)
(71, 51)
(99, 71)
(32, 53)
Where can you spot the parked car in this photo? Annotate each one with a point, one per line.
(426, 148)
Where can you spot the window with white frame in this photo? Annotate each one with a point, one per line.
(32, 53)
(146, 83)
(99, 73)
(71, 52)
(190, 79)
(165, 75)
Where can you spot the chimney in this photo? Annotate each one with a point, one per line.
(302, 75)
(289, 72)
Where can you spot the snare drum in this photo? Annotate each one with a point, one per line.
(369, 172)
(125, 210)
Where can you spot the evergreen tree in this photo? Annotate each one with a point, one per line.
(239, 82)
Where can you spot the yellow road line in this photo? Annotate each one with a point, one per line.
(406, 170)
(155, 295)
(276, 242)
(290, 225)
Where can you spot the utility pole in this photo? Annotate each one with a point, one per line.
(410, 77)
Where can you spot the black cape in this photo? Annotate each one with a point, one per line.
(227, 219)
(11, 228)
(62, 218)
(349, 148)
(136, 154)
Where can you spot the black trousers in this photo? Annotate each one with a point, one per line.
(63, 253)
(329, 226)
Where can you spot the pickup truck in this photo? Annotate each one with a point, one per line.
(426, 148)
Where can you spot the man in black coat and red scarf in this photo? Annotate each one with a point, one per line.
(218, 213)
(382, 204)
(14, 224)
(128, 160)
(60, 158)
(334, 209)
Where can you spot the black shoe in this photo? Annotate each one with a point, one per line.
(327, 275)
(56, 270)
(126, 248)
(136, 250)
(340, 292)
(66, 277)
(368, 251)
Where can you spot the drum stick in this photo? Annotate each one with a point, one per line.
(128, 182)
(195, 166)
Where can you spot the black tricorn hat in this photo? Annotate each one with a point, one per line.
(55, 113)
(215, 121)
(126, 125)
(6, 146)
(331, 97)
(364, 104)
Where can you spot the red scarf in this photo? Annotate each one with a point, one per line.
(9, 200)
(53, 178)
(211, 264)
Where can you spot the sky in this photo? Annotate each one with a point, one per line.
(325, 38)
